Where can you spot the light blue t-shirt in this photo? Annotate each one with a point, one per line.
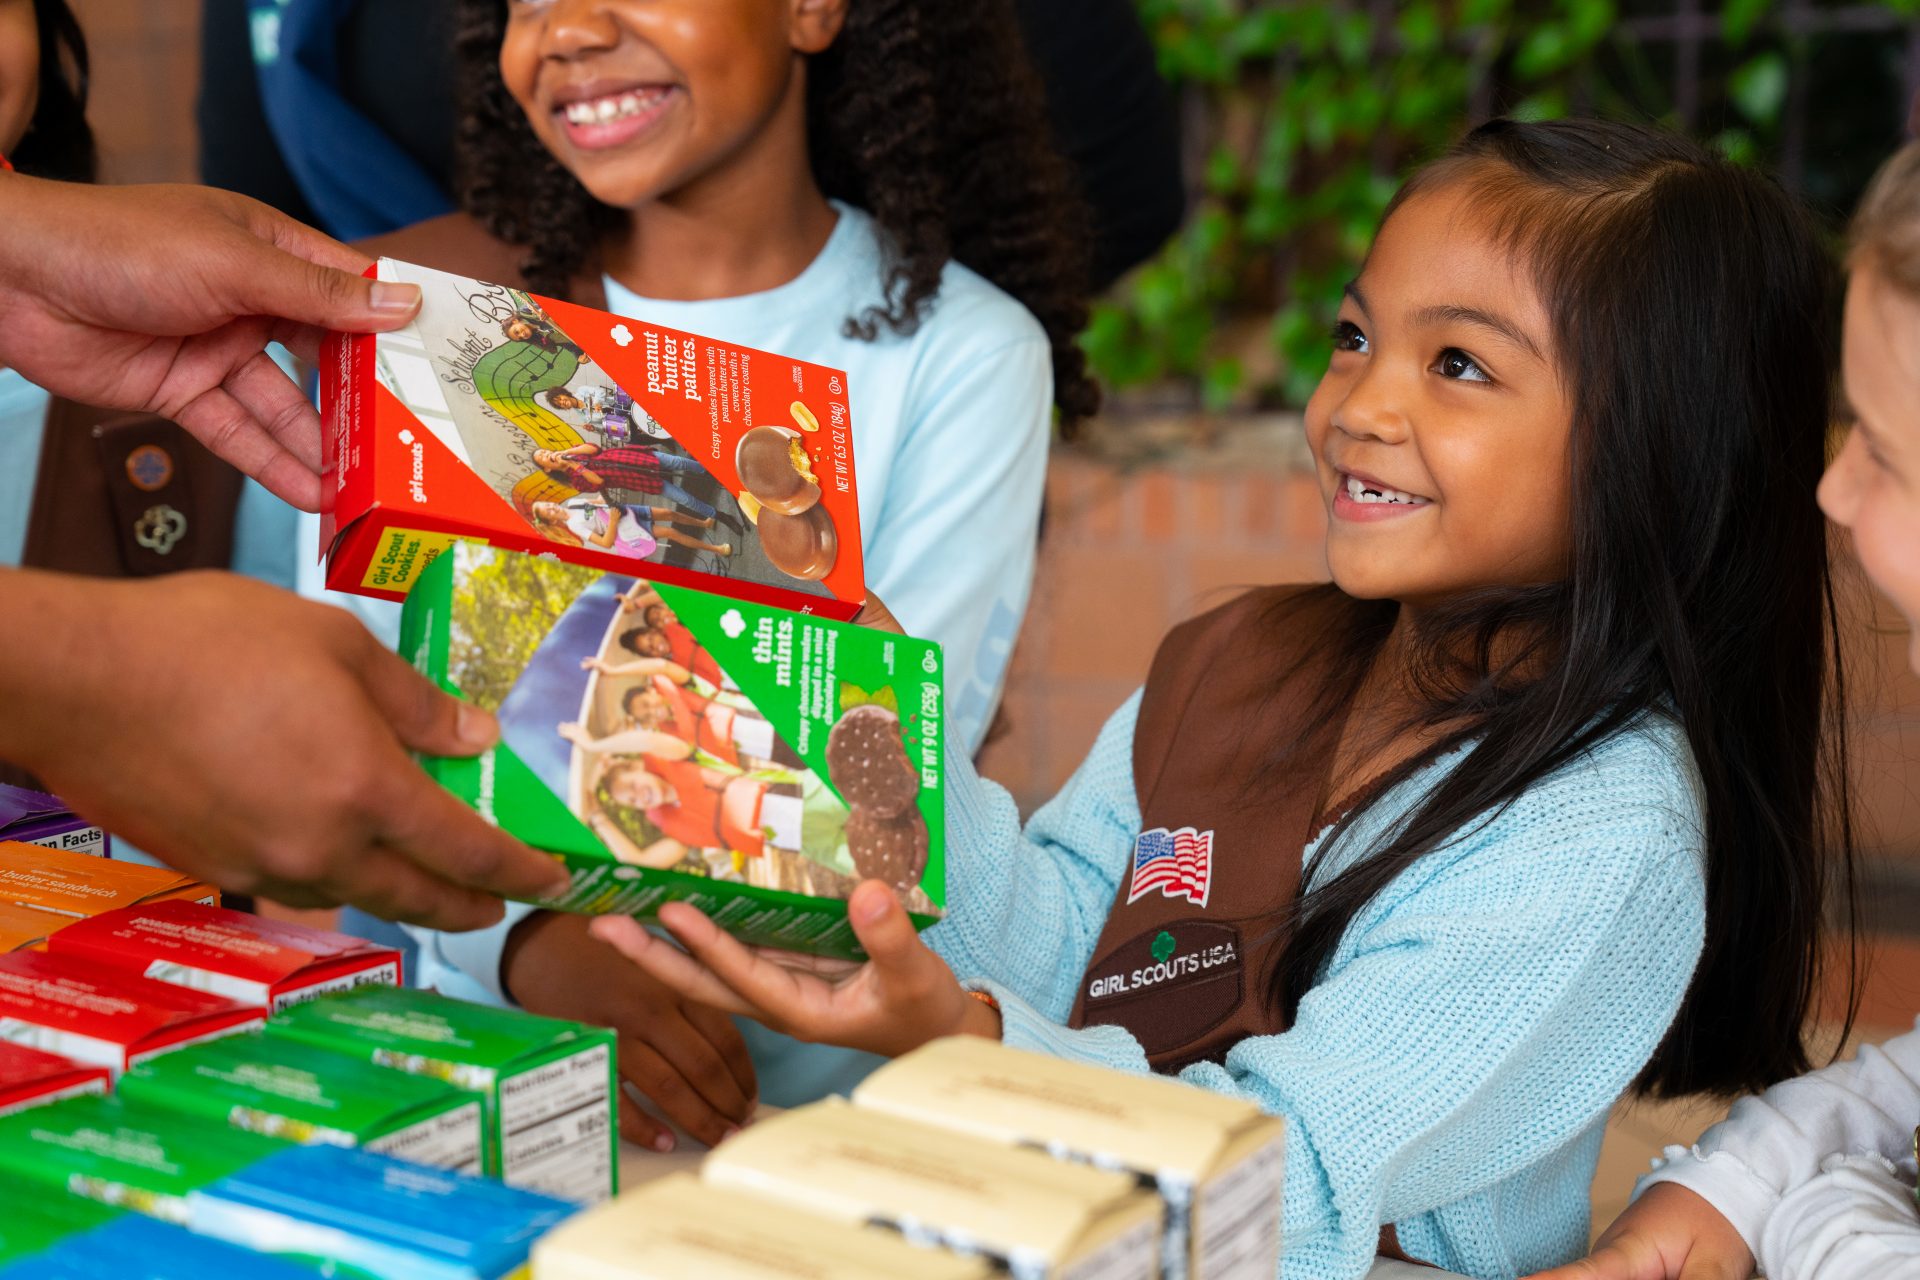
(23, 418)
(951, 426)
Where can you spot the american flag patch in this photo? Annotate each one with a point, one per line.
(1177, 863)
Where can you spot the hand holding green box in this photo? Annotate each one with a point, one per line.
(669, 745)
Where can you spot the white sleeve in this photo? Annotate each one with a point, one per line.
(1774, 1143)
(1855, 1219)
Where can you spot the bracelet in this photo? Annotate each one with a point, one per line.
(985, 998)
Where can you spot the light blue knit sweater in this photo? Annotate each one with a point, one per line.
(1452, 1070)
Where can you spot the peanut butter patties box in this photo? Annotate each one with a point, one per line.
(533, 424)
(33, 1077)
(546, 1086)
(105, 1016)
(1034, 1216)
(34, 817)
(680, 1229)
(78, 885)
(244, 957)
(1215, 1161)
(285, 1089)
(668, 744)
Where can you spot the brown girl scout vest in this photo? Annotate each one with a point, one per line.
(1187, 955)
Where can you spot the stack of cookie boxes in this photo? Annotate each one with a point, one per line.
(270, 1087)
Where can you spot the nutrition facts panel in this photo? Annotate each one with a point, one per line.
(556, 1127)
(450, 1140)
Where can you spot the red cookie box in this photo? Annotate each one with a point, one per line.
(107, 1017)
(243, 957)
(29, 1077)
(441, 432)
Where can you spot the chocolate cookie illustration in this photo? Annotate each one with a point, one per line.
(868, 762)
(802, 546)
(775, 469)
(890, 849)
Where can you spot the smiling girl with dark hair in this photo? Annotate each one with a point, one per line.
(869, 185)
(1534, 805)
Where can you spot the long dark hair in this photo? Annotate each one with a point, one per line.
(1693, 306)
(59, 141)
(925, 113)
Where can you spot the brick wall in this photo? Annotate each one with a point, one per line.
(146, 63)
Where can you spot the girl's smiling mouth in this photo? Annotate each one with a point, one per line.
(1357, 497)
(598, 116)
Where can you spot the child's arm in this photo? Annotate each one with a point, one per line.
(639, 667)
(1479, 1017)
(1770, 1145)
(628, 742)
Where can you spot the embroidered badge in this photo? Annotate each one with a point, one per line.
(149, 467)
(1177, 863)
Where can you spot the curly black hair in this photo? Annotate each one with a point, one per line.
(59, 141)
(925, 113)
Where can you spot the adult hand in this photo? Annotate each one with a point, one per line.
(162, 299)
(255, 740)
(1669, 1233)
(901, 998)
(685, 1057)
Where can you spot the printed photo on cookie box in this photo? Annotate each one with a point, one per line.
(532, 424)
(670, 744)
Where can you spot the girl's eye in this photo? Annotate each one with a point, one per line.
(1458, 365)
(1347, 337)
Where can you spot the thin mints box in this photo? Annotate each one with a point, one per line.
(545, 1086)
(286, 1089)
(667, 744)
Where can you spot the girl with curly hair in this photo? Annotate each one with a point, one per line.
(866, 184)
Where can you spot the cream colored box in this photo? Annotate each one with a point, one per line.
(681, 1229)
(1040, 1219)
(1216, 1161)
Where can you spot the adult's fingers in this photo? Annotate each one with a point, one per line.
(302, 241)
(649, 1072)
(228, 428)
(641, 1129)
(423, 822)
(718, 1027)
(424, 717)
(289, 287)
(389, 884)
(669, 966)
(277, 404)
